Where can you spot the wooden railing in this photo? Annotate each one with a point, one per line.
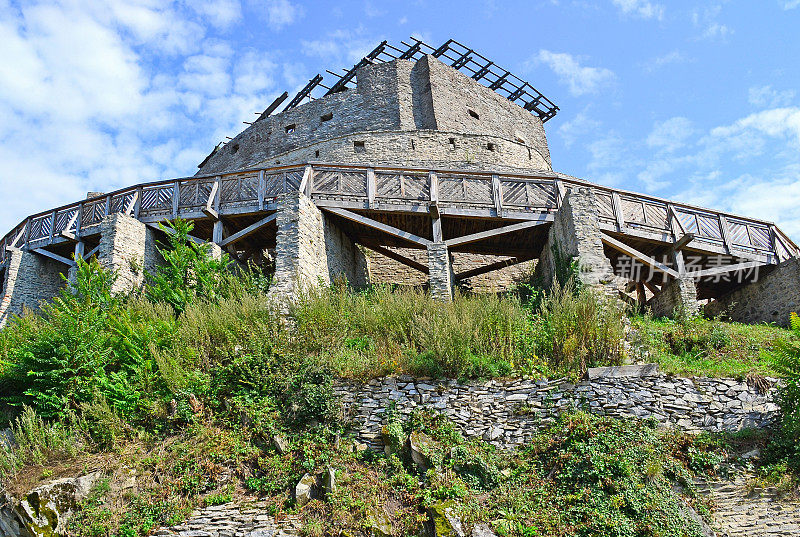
(505, 195)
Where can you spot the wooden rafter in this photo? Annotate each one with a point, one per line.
(491, 267)
(475, 237)
(636, 254)
(714, 271)
(391, 254)
(380, 226)
(249, 230)
(55, 257)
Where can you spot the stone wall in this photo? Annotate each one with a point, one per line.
(385, 270)
(770, 299)
(440, 271)
(29, 278)
(128, 247)
(311, 249)
(677, 297)
(507, 413)
(400, 109)
(576, 234)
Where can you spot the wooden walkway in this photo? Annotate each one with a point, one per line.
(498, 213)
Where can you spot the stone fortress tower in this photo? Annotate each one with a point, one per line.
(419, 165)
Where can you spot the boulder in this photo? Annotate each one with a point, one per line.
(329, 482)
(305, 491)
(10, 525)
(45, 510)
(280, 443)
(378, 523)
(442, 522)
(420, 446)
(483, 530)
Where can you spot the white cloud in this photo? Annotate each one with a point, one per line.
(669, 58)
(580, 79)
(581, 125)
(766, 97)
(790, 4)
(125, 92)
(341, 45)
(220, 13)
(711, 28)
(671, 134)
(640, 8)
(281, 13)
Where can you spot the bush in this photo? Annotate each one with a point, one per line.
(786, 361)
(576, 330)
(189, 271)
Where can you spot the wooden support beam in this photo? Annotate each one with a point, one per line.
(490, 267)
(80, 246)
(307, 183)
(641, 296)
(475, 237)
(249, 230)
(210, 209)
(682, 242)
(636, 254)
(217, 233)
(262, 187)
(169, 230)
(652, 287)
(56, 257)
(369, 222)
(66, 233)
(137, 207)
(675, 221)
(725, 269)
(132, 204)
(391, 254)
(92, 252)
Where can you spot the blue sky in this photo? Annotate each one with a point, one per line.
(696, 101)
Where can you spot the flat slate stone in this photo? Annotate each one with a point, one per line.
(620, 371)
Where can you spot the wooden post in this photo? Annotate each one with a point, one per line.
(436, 220)
(726, 234)
(108, 205)
(262, 186)
(497, 195)
(137, 207)
(53, 219)
(371, 188)
(620, 216)
(176, 198)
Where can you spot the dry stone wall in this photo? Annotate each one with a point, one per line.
(679, 296)
(508, 413)
(385, 270)
(770, 299)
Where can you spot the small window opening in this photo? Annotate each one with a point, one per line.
(316, 153)
(234, 149)
(452, 143)
(473, 113)
(327, 117)
(491, 147)
(529, 152)
(359, 147)
(290, 128)
(413, 146)
(277, 162)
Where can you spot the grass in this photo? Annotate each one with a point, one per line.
(710, 347)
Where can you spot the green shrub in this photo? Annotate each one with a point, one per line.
(786, 361)
(189, 272)
(576, 330)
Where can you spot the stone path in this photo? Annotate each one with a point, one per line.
(760, 513)
(231, 520)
